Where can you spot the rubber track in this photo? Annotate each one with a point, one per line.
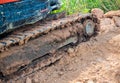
(20, 38)
(12, 62)
(35, 66)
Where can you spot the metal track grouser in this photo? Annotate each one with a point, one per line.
(25, 45)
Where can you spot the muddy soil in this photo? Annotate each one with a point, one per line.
(94, 61)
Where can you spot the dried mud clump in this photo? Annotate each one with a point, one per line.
(109, 21)
(115, 16)
(106, 25)
(97, 13)
(110, 14)
(71, 52)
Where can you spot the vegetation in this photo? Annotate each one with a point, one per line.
(84, 6)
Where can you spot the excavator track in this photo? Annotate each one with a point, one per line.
(32, 43)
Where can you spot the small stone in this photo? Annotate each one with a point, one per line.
(110, 14)
(78, 82)
(98, 13)
(90, 81)
(70, 68)
(76, 61)
(60, 73)
(28, 80)
(71, 52)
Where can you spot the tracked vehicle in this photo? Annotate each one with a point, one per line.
(16, 53)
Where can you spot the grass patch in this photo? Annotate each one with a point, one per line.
(84, 6)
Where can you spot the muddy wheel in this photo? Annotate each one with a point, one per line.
(89, 27)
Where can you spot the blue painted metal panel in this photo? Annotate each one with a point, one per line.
(16, 14)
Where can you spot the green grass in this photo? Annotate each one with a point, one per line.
(84, 6)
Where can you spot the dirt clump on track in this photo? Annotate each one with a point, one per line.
(94, 61)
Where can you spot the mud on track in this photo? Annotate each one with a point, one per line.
(48, 38)
(94, 61)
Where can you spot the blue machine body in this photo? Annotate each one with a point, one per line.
(16, 14)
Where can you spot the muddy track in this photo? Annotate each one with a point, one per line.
(53, 57)
(22, 36)
(17, 55)
(36, 65)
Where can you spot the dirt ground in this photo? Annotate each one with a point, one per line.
(94, 61)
